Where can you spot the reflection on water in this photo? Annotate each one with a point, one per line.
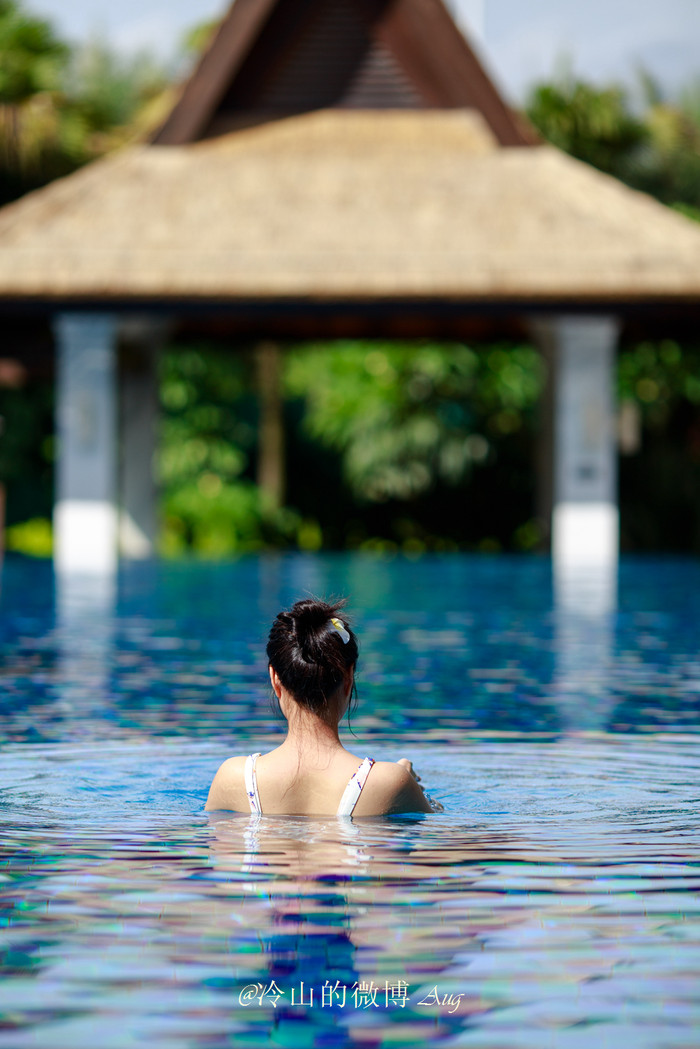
(586, 589)
(558, 892)
(450, 647)
(585, 599)
(554, 903)
(85, 606)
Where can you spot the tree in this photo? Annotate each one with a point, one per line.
(34, 134)
(60, 109)
(207, 457)
(118, 97)
(33, 58)
(657, 152)
(419, 428)
(661, 380)
(26, 447)
(593, 124)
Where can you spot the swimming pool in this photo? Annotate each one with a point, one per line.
(554, 903)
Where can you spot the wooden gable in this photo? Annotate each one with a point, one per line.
(275, 58)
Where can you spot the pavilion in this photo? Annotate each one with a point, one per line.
(335, 167)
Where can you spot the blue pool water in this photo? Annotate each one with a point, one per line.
(555, 902)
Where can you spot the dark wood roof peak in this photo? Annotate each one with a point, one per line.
(281, 57)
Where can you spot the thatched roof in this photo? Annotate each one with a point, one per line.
(346, 205)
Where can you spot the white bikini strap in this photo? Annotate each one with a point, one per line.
(251, 784)
(352, 792)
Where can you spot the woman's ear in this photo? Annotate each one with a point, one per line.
(275, 682)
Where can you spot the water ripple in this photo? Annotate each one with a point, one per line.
(553, 904)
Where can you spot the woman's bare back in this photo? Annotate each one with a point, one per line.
(287, 786)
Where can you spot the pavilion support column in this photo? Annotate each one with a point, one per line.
(543, 334)
(140, 342)
(85, 513)
(585, 519)
(271, 464)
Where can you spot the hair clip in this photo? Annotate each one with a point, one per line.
(340, 629)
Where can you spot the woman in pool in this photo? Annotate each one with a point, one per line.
(312, 654)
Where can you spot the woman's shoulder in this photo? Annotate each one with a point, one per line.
(391, 788)
(228, 787)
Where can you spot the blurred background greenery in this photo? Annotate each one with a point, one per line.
(388, 446)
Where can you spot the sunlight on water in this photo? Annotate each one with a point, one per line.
(554, 903)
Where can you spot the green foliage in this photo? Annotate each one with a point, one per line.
(26, 462)
(660, 484)
(208, 435)
(690, 101)
(670, 168)
(658, 377)
(109, 90)
(688, 210)
(406, 424)
(35, 135)
(33, 538)
(657, 152)
(407, 416)
(32, 58)
(26, 449)
(593, 124)
(60, 109)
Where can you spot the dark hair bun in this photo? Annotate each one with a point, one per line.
(311, 615)
(310, 654)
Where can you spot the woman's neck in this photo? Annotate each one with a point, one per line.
(308, 731)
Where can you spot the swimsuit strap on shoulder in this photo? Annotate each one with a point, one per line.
(352, 792)
(251, 784)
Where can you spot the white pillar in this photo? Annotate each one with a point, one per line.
(85, 515)
(585, 520)
(140, 342)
